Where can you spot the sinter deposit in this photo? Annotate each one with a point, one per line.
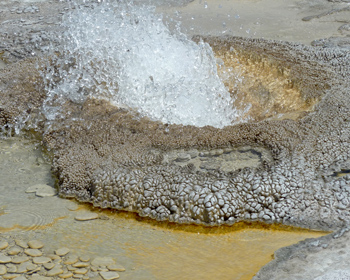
(84, 101)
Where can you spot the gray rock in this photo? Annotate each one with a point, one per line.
(62, 251)
(3, 269)
(86, 216)
(4, 259)
(33, 252)
(35, 244)
(3, 245)
(109, 275)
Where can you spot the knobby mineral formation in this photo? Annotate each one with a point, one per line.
(286, 170)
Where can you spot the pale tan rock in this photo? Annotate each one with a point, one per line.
(66, 275)
(32, 267)
(49, 265)
(86, 216)
(78, 276)
(4, 259)
(22, 268)
(3, 245)
(62, 251)
(58, 265)
(21, 243)
(54, 272)
(10, 276)
(41, 260)
(53, 257)
(39, 277)
(71, 268)
(84, 258)
(11, 268)
(21, 277)
(42, 190)
(33, 252)
(35, 244)
(3, 269)
(46, 192)
(15, 250)
(20, 259)
(102, 261)
(81, 271)
(71, 259)
(116, 267)
(94, 268)
(81, 264)
(109, 275)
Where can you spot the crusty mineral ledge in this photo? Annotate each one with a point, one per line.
(324, 258)
(113, 158)
(110, 158)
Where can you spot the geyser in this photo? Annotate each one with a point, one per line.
(127, 55)
(279, 169)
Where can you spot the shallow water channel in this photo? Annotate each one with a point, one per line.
(147, 249)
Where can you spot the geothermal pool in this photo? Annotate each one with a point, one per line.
(193, 150)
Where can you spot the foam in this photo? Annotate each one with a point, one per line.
(126, 54)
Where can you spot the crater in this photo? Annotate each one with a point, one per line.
(262, 86)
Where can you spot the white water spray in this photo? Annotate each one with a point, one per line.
(126, 54)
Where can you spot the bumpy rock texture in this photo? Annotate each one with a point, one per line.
(324, 258)
(114, 158)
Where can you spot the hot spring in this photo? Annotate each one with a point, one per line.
(169, 140)
(126, 54)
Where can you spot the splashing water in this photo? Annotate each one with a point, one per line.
(126, 54)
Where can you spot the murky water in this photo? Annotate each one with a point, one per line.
(147, 249)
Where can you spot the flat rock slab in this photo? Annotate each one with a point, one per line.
(21, 243)
(109, 275)
(115, 267)
(54, 272)
(72, 259)
(33, 252)
(40, 277)
(23, 267)
(84, 258)
(81, 264)
(66, 275)
(14, 251)
(35, 244)
(82, 271)
(3, 269)
(42, 190)
(86, 216)
(41, 260)
(3, 245)
(21, 259)
(4, 259)
(21, 278)
(49, 265)
(62, 251)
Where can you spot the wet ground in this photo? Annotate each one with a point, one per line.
(147, 249)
